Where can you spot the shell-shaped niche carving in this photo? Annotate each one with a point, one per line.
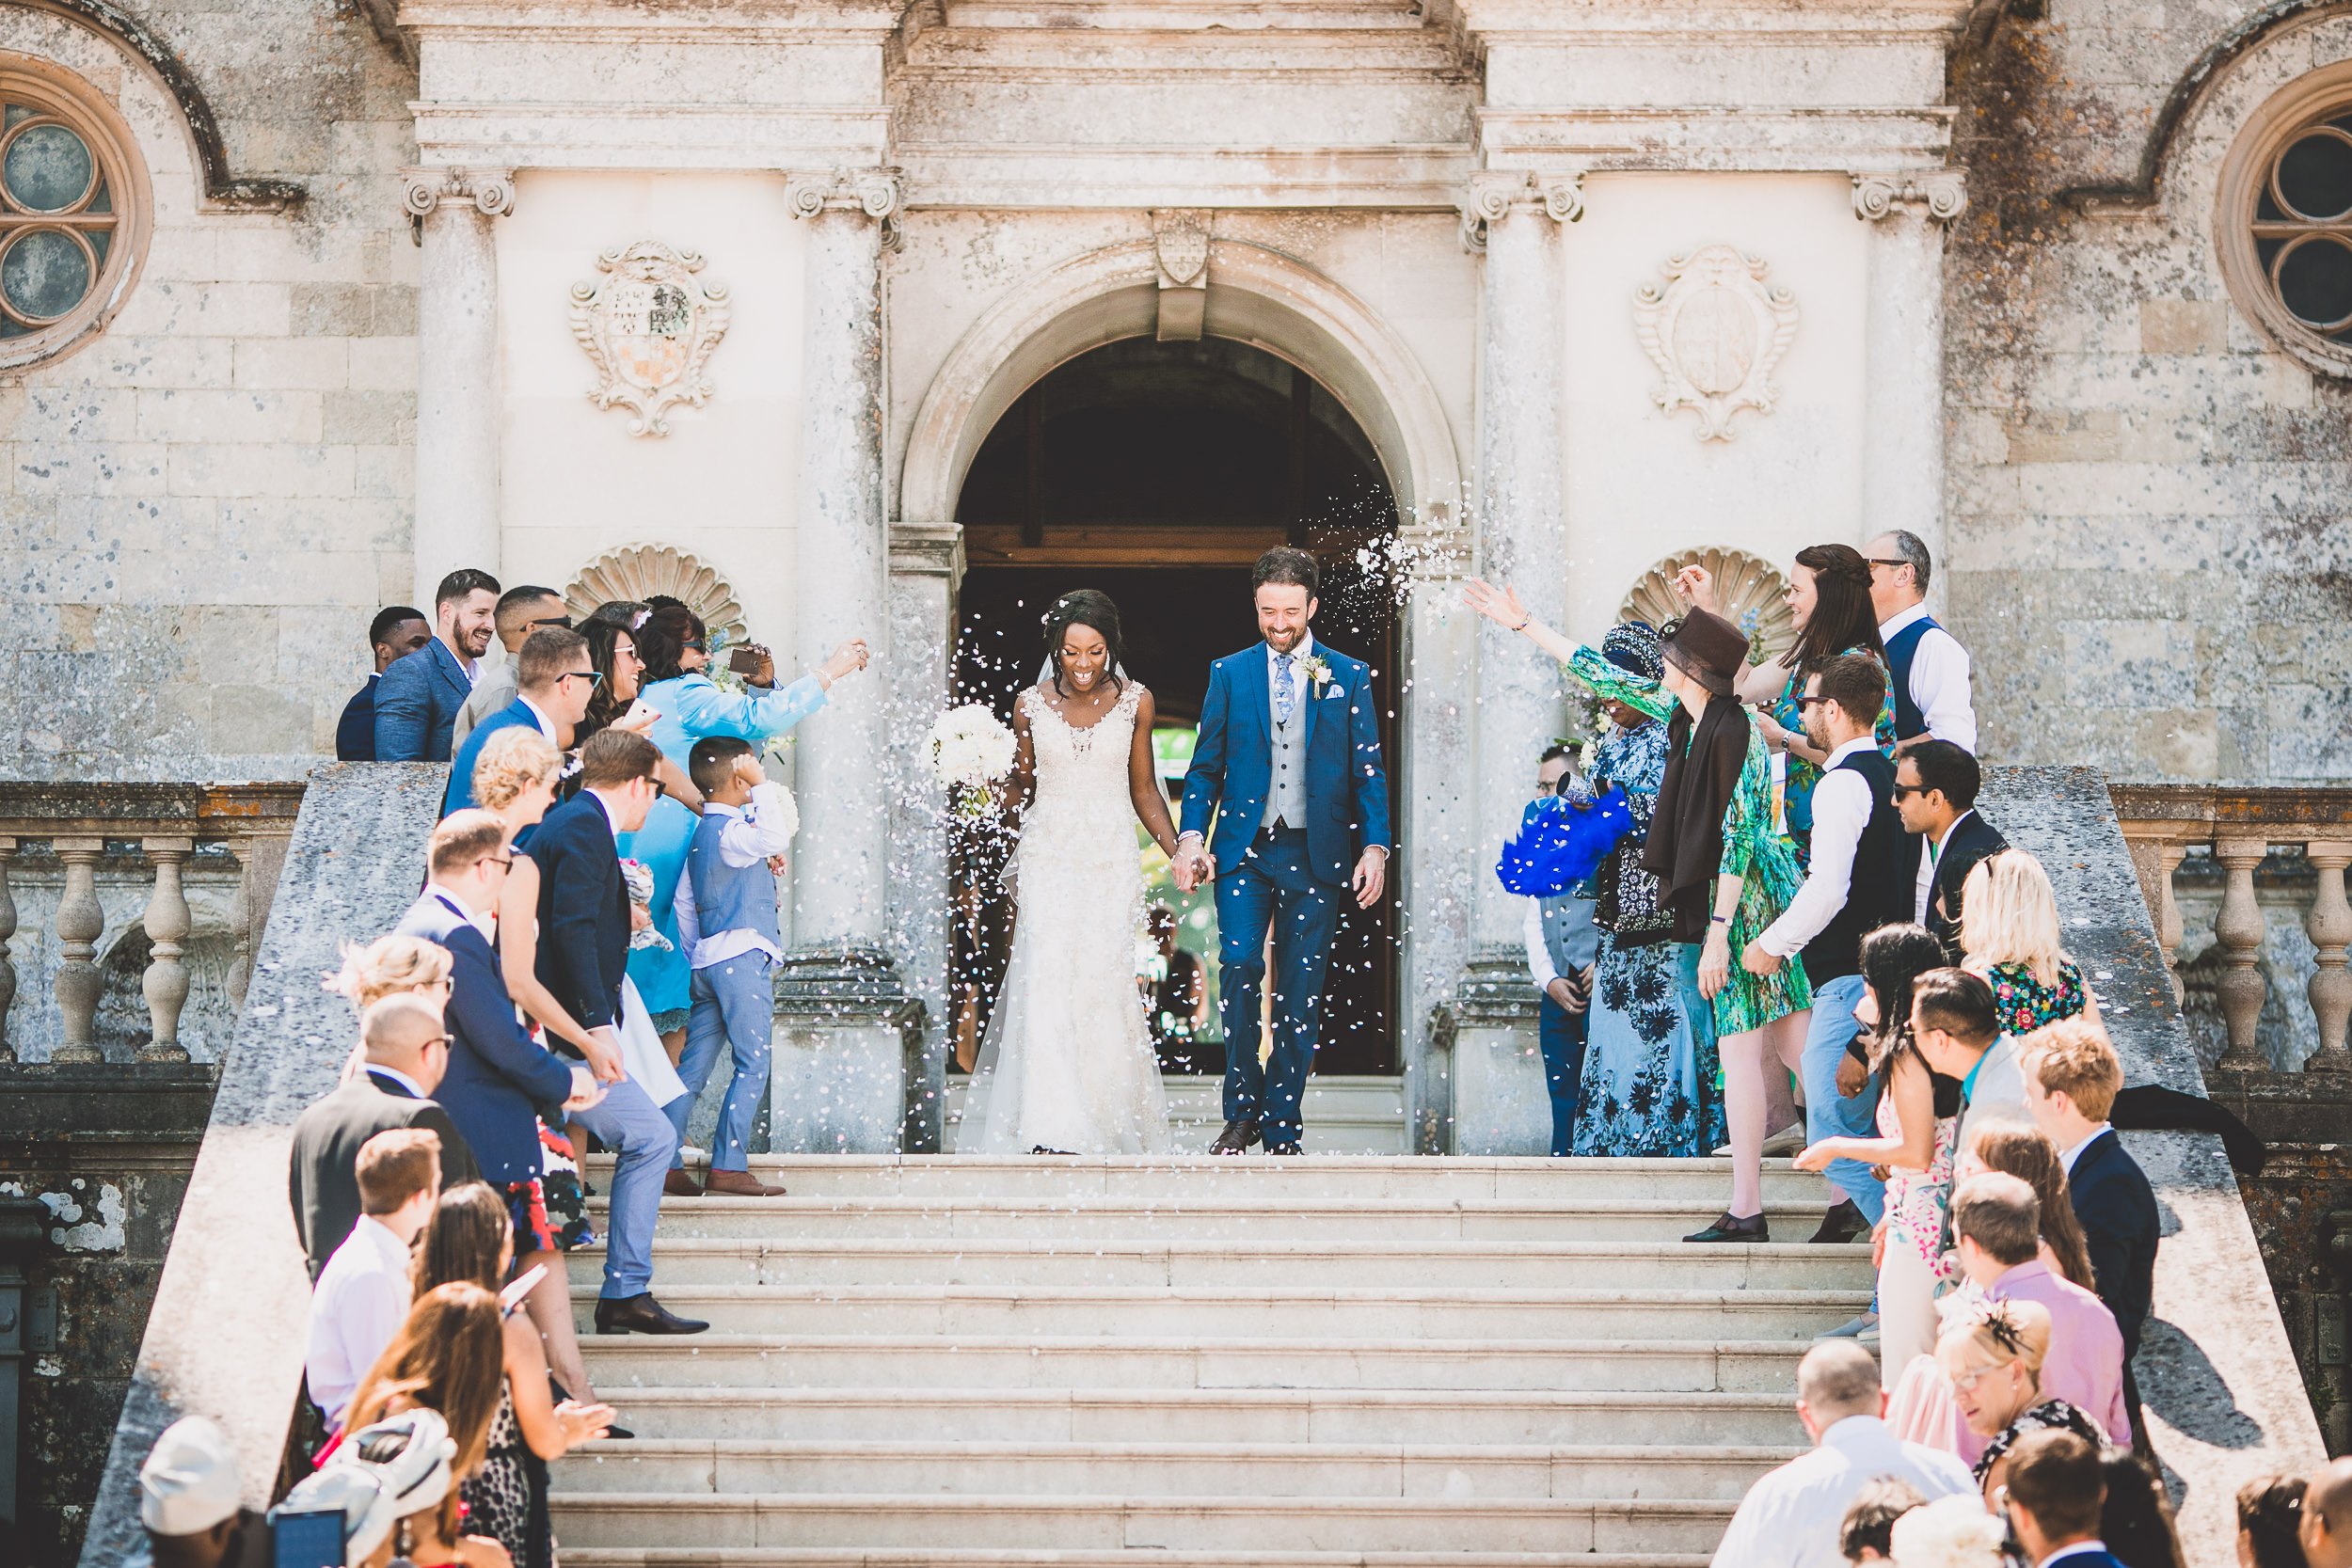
(641, 571)
(1747, 593)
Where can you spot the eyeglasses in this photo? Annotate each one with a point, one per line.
(504, 863)
(563, 621)
(1969, 1380)
(1810, 698)
(591, 677)
(438, 1039)
(1882, 561)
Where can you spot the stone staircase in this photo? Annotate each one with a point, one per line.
(935, 1361)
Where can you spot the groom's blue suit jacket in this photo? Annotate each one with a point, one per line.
(1232, 762)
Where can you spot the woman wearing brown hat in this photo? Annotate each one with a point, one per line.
(1724, 872)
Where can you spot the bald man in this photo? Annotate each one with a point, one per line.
(407, 1051)
(2327, 1528)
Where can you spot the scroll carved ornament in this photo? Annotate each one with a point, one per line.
(1943, 191)
(649, 330)
(1715, 332)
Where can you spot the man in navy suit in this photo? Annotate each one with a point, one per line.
(2071, 1076)
(394, 634)
(2056, 1489)
(1287, 759)
(554, 680)
(583, 956)
(418, 699)
(1935, 794)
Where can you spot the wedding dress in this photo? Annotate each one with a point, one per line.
(1068, 1063)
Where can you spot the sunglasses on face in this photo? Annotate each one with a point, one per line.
(591, 677)
(563, 621)
(1882, 561)
(1810, 698)
(1904, 791)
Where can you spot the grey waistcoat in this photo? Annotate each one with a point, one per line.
(1569, 935)
(1286, 793)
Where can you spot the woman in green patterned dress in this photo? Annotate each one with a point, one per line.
(1723, 873)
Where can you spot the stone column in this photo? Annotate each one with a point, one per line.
(1500, 1105)
(846, 1017)
(1902, 455)
(1434, 809)
(2329, 926)
(925, 571)
(80, 921)
(457, 383)
(2240, 931)
(8, 963)
(167, 921)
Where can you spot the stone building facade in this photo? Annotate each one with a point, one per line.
(1596, 282)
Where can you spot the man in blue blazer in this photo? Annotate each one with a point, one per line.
(418, 699)
(2056, 1490)
(2071, 1076)
(1287, 759)
(394, 634)
(555, 679)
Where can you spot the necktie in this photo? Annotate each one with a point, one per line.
(1283, 696)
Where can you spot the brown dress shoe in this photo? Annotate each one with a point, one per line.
(678, 1185)
(737, 1184)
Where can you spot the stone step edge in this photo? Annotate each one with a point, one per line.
(1160, 1557)
(685, 1344)
(1371, 1209)
(1254, 1295)
(1567, 1398)
(1082, 1502)
(720, 1247)
(1258, 1168)
(980, 1449)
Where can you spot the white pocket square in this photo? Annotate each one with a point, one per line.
(1334, 695)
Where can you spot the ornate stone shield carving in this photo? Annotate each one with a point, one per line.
(649, 328)
(1716, 331)
(1184, 252)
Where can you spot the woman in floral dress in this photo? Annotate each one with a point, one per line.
(2008, 928)
(1725, 875)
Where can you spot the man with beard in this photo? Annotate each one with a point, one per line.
(418, 699)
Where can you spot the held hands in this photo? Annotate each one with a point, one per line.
(1500, 604)
(1574, 992)
(1755, 961)
(603, 1051)
(1193, 867)
(1371, 875)
(847, 660)
(586, 1092)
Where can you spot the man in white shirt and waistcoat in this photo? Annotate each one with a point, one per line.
(1929, 667)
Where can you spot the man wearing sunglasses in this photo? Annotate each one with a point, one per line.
(520, 612)
(555, 682)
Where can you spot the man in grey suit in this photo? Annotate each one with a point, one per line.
(418, 699)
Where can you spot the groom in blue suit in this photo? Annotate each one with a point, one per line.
(1289, 748)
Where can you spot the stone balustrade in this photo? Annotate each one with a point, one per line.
(2242, 825)
(164, 826)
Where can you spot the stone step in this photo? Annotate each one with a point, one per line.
(951, 1557)
(1205, 1414)
(1393, 1220)
(1208, 1522)
(681, 1263)
(1402, 1312)
(1018, 1361)
(735, 1466)
(1703, 1183)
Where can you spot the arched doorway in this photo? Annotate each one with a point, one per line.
(1158, 472)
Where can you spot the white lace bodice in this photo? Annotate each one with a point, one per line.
(1082, 768)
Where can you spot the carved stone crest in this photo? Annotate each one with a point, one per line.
(1715, 332)
(649, 328)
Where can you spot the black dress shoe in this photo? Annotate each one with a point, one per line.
(642, 1314)
(1729, 1228)
(1282, 1148)
(1236, 1138)
(1843, 1223)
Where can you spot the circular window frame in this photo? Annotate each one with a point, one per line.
(64, 98)
(2282, 119)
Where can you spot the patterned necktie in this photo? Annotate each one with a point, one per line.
(1284, 695)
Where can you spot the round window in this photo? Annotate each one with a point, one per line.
(72, 202)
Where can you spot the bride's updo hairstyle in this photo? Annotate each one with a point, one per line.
(1085, 606)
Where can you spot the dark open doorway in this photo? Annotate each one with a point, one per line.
(1157, 473)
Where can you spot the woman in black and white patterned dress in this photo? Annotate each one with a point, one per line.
(472, 1239)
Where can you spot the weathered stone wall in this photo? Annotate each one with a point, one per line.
(206, 504)
(2146, 495)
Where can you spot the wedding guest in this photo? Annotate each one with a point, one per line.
(1916, 1126)
(406, 1051)
(1651, 1073)
(1562, 947)
(2009, 932)
(2057, 1492)
(395, 633)
(1955, 1022)
(418, 699)
(1866, 1534)
(520, 612)
(2327, 1528)
(471, 1239)
(1829, 605)
(610, 629)
(2071, 1076)
(1996, 1355)
(448, 1360)
(2136, 1523)
(394, 1483)
(362, 1297)
(191, 1504)
(1858, 879)
(726, 921)
(584, 926)
(1997, 1221)
(1724, 874)
(2027, 1154)
(554, 683)
(1930, 666)
(1935, 789)
(2269, 1520)
(1794, 1516)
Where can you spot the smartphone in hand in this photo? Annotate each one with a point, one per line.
(746, 659)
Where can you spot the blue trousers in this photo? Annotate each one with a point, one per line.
(735, 1006)
(1562, 1034)
(1273, 889)
(645, 1143)
(1825, 1115)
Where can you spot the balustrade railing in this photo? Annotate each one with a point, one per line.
(2242, 825)
(166, 823)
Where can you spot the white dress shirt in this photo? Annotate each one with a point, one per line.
(2068, 1156)
(356, 1308)
(1841, 809)
(399, 1077)
(1791, 1516)
(539, 717)
(743, 842)
(1939, 680)
(1924, 888)
(1538, 951)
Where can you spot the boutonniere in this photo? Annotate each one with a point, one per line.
(1317, 671)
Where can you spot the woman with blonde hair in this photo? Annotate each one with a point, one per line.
(447, 1358)
(2008, 928)
(1993, 1357)
(389, 966)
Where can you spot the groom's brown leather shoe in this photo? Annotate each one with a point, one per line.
(737, 1184)
(1236, 1138)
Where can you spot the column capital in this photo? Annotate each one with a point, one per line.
(1944, 192)
(423, 190)
(1495, 194)
(878, 193)
(927, 551)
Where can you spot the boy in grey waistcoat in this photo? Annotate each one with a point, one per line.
(726, 920)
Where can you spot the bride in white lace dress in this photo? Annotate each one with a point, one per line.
(1068, 1066)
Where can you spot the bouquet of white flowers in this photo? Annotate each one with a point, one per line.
(971, 750)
